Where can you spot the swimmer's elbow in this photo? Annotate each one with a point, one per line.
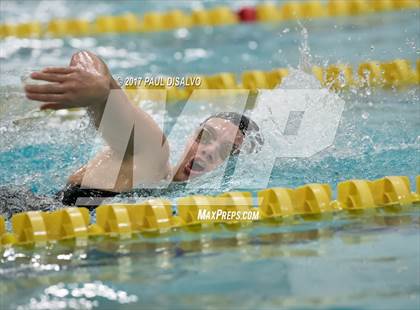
(156, 155)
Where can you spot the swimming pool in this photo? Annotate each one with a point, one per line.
(362, 262)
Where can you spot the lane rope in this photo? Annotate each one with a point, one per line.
(275, 206)
(217, 16)
(397, 73)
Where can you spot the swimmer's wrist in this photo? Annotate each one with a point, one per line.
(96, 108)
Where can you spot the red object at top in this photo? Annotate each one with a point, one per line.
(247, 14)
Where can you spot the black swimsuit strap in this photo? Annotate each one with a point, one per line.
(91, 198)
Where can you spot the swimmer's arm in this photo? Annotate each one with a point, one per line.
(146, 148)
(88, 83)
(150, 144)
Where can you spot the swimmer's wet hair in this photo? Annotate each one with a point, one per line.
(246, 125)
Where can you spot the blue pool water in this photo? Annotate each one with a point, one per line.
(360, 262)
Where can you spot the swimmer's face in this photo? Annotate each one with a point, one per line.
(210, 146)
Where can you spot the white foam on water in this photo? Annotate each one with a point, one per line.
(321, 116)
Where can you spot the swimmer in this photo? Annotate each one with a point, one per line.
(87, 83)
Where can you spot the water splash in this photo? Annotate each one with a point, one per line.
(33, 152)
(305, 59)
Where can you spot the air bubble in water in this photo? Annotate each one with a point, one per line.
(181, 33)
(366, 139)
(252, 45)
(178, 56)
(367, 144)
(365, 115)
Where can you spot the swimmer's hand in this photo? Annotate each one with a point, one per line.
(70, 87)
